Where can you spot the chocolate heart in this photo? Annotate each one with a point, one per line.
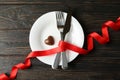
(49, 40)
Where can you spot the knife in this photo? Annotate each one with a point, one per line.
(65, 31)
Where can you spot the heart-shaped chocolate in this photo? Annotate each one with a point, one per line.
(49, 40)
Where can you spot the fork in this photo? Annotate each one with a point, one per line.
(60, 24)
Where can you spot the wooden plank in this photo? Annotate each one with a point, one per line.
(37, 2)
(90, 65)
(23, 16)
(60, 75)
(14, 35)
(28, 3)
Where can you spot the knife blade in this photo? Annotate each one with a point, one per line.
(67, 24)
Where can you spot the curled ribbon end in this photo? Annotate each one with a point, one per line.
(4, 77)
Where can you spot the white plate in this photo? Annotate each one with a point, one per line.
(45, 26)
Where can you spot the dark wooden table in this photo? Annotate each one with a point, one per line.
(17, 17)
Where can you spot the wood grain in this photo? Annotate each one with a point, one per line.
(17, 18)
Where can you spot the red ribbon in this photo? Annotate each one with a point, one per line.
(62, 46)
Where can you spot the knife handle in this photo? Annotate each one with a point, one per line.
(56, 61)
(64, 57)
(64, 60)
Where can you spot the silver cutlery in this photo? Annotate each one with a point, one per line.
(63, 27)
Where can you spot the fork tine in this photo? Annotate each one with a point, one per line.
(57, 17)
(60, 18)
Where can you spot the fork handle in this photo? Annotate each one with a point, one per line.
(64, 60)
(56, 61)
